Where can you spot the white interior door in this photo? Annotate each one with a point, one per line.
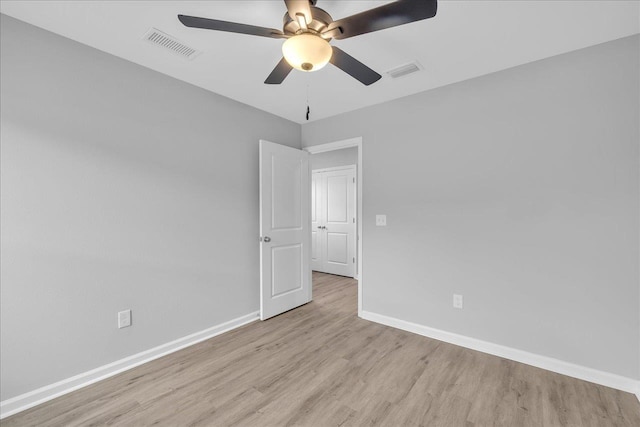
(285, 274)
(316, 222)
(334, 228)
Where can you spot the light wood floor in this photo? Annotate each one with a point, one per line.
(320, 365)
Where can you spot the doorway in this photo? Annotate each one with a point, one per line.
(331, 150)
(285, 225)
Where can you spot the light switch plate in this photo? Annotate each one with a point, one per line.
(457, 301)
(381, 220)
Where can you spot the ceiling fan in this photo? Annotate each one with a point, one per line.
(308, 30)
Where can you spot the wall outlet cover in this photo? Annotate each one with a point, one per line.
(124, 319)
(381, 220)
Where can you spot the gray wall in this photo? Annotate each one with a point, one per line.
(518, 190)
(121, 188)
(335, 158)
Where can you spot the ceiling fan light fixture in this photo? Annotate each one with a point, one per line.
(307, 52)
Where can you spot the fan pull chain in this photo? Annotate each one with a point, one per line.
(308, 109)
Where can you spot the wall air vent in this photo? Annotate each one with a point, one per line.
(159, 38)
(403, 70)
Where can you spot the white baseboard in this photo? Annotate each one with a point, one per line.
(544, 362)
(30, 399)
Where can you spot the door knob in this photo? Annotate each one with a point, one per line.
(267, 239)
(319, 227)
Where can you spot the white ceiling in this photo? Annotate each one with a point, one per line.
(466, 39)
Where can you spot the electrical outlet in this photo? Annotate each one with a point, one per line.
(124, 319)
(381, 220)
(457, 301)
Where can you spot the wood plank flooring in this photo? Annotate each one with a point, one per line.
(320, 365)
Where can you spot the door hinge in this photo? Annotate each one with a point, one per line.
(354, 260)
(354, 180)
(354, 220)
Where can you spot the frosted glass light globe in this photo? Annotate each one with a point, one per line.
(307, 52)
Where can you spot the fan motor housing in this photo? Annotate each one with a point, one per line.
(320, 22)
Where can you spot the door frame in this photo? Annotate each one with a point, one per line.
(338, 145)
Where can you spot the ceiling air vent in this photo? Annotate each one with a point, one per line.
(168, 42)
(403, 70)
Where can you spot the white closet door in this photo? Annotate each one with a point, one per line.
(316, 222)
(335, 226)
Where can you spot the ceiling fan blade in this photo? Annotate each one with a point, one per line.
(295, 7)
(279, 73)
(390, 15)
(231, 27)
(353, 67)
